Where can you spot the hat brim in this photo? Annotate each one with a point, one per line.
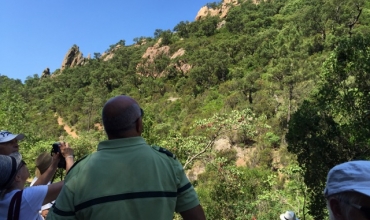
(365, 192)
(11, 137)
(20, 137)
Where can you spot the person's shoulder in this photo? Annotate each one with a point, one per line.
(39, 190)
(164, 151)
(78, 163)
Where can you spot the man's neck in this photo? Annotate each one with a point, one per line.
(126, 135)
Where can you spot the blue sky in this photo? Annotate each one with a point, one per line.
(37, 34)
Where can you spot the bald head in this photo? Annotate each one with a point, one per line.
(120, 117)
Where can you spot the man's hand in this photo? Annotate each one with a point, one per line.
(66, 150)
(55, 161)
(67, 153)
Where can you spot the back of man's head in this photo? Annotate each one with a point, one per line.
(120, 117)
(347, 189)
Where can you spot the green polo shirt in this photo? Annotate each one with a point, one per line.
(125, 179)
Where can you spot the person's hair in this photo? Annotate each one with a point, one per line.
(345, 198)
(124, 121)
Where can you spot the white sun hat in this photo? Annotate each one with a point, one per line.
(288, 215)
(6, 136)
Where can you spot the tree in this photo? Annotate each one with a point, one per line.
(182, 29)
(333, 126)
(157, 33)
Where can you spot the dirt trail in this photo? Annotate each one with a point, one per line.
(67, 128)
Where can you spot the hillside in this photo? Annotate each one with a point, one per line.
(238, 75)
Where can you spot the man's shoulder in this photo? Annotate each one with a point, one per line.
(164, 151)
(79, 162)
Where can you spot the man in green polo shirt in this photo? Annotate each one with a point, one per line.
(126, 178)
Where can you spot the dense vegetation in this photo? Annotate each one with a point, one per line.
(276, 76)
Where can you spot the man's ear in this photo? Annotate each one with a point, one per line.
(336, 208)
(139, 126)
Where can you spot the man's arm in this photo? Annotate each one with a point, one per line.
(53, 192)
(195, 213)
(63, 208)
(187, 203)
(49, 173)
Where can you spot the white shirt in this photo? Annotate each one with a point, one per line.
(32, 199)
(46, 206)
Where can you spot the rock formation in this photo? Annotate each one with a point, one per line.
(45, 73)
(73, 58)
(221, 11)
(154, 52)
(178, 53)
(180, 64)
(110, 54)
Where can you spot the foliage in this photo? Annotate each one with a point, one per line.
(333, 126)
(247, 77)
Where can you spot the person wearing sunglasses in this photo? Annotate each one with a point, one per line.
(126, 178)
(16, 201)
(347, 191)
(9, 144)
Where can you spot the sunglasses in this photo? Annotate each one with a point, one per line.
(141, 112)
(141, 115)
(21, 165)
(365, 210)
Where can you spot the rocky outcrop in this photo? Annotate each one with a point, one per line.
(156, 51)
(73, 58)
(110, 54)
(178, 53)
(45, 73)
(221, 24)
(220, 11)
(180, 65)
(153, 52)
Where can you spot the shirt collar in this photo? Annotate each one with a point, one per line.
(120, 143)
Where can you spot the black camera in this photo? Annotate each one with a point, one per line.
(56, 149)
